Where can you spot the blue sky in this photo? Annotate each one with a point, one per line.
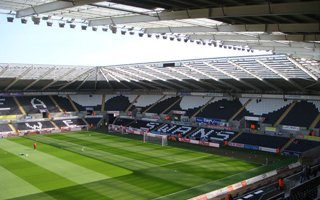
(39, 44)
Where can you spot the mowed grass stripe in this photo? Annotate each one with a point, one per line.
(69, 170)
(167, 154)
(103, 155)
(186, 179)
(180, 174)
(84, 161)
(32, 173)
(9, 183)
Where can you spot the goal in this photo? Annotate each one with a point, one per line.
(155, 138)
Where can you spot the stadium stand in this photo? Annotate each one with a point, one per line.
(83, 102)
(173, 129)
(261, 140)
(262, 107)
(294, 117)
(123, 121)
(300, 145)
(33, 125)
(143, 124)
(5, 128)
(117, 103)
(64, 103)
(145, 101)
(193, 103)
(93, 121)
(69, 122)
(37, 104)
(306, 190)
(162, 105)
(271, 118)
(174, 106)
(212, 135)
(221, 109)
(8, 106)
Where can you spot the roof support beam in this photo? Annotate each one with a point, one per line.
(257, 37)
(210, 77)
(303, 69)
(18, 78)
(139, 76)
(52, 6)
(152, 75)
(280, 74)
(118, 77)
(4, 70)
(106, 78)
(41, 77)
(254, 75)
(219, 13)
(88, 72)
(231, 76)
(268, 28)
(58, 79)
(84, 80)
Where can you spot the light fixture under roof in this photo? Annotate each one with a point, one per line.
(49, 23)
(61, 25)
(94, 28)
(72, 25)
(10, 19)
(104, 29)
(23, 21)
(36, 20)
(83, 27)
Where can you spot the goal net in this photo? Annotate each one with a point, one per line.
(155, 138)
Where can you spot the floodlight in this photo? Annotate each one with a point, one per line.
(179, 39)
(94, 28)
(164, 37)
(61, 25)
(131, 32)
(140, 34)
(36, 20)
(83, 27)
(105, 29)
(171, 38)
(72, 25)
(123, 32)
(185, 39)
(10, 19)
(198, 42)
(45, 18)
(157, 36)
(113, 29)
(149, 35)
(49, 24)
(23, 21)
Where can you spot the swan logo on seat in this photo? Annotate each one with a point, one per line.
(34, 126)
(37, 102)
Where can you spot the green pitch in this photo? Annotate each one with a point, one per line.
(90, 165)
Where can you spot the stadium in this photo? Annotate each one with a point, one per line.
(245, 126)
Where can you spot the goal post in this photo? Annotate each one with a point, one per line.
(155, 138)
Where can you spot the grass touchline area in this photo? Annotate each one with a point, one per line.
(92, 165)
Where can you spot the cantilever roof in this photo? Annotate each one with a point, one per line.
(281, 26)
(267, 73)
